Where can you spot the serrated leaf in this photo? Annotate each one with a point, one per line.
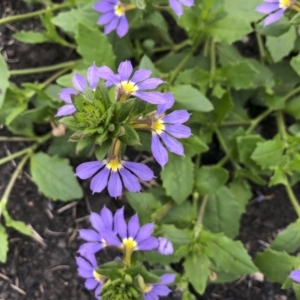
(289, 239)
(191, 99)
(17, 225)
(228, 255)
(222, 213)
(276, 265)
(210, 179)
(94, 47)
(269, 153)
(4, 83)
(31, 37)
(178, 177)
(197, 269)
(4, 244)
(241, 191)
(54, 177)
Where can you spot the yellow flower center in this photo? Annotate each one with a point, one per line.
(158, 126)
(285, 3)
(129, 244)
(147, 288)
(114, 165)
(128, 87)
(120, 9)
(98, 276)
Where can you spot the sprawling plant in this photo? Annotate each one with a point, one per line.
(144, 90)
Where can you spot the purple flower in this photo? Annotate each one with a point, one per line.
(135, 85)
(295, 275)
(87, 269)
(165, 246)
(176, 5)
(111, 173)
(95, 242)
(275, 8)
(113, 16)
(165, 128)
(154, 291)
(80, 85)
(131, 237)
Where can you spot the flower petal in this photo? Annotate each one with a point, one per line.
(107, 74)
(187, 3)
(125, 70)
(158, 150)
(104, 6)
(178, 130)
(148, 244)
(89, 235)
(92, 76)
(123, 27)
(140, 170)
(161, 290)
(65, 110)
(273, 17)
(144, 232)
(149, 84)
(133, 226)
(167, 278)
(84, 265)
(90, 248)
(99, 181)
(107, 217)
(91, 283)
(141, 75)
(266, 8)
(176, 6)
(79, 82)
(161, 108)
(120, 225)
(177, 117)
(111, 238)
(172, 144)
(66, 93)
(97, 222)
(295, 275)
(88, 169)
(165, 247)
(151, 97)
(114, 185)
(130, 181)
(106, 18)
(98, 291)
(112, 25)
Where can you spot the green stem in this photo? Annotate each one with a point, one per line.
(258, 119)
(68, 65)
(26, 150)
(261, 48)
(9, 187)
(221, 140)
(162, 8)
(212, 61)
(236, 123)
(199, 222)
(20, 17)
(292, 93)
(281, 125)
(184, 60)
(17, 139)
(132, 48)
(173, 48)
(292, 197)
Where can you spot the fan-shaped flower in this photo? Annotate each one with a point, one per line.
(135, 84)
(275, 8)
(177, 5)
(111, 173)
(80, 85)
(87, 269)
(113, 16)
(165, 128)
(95, 242)
(156, 290)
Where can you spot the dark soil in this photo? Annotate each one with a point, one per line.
(46, 270)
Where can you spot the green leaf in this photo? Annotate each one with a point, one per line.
(293, 107)
(31, 37)
(269, 153)
(193, 145)
(228, 255)
(240, 75)
(146, 63)
(197, 269)
(141, 270)
(276, 265)
(125, 110)
(210, 179)
(281, 46)
(241, 191)
(178, 237)
(178, 177)
(4, 244)
(191, 99)
(17, 225)
(144, 204)
(222, 213)
(94, 47)
(102, 150)
(139, 3)
(237, 22)
(295, 63)
(4, 83)
(130, 137)
(289, 239)
(69, 20)
(54, 177)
